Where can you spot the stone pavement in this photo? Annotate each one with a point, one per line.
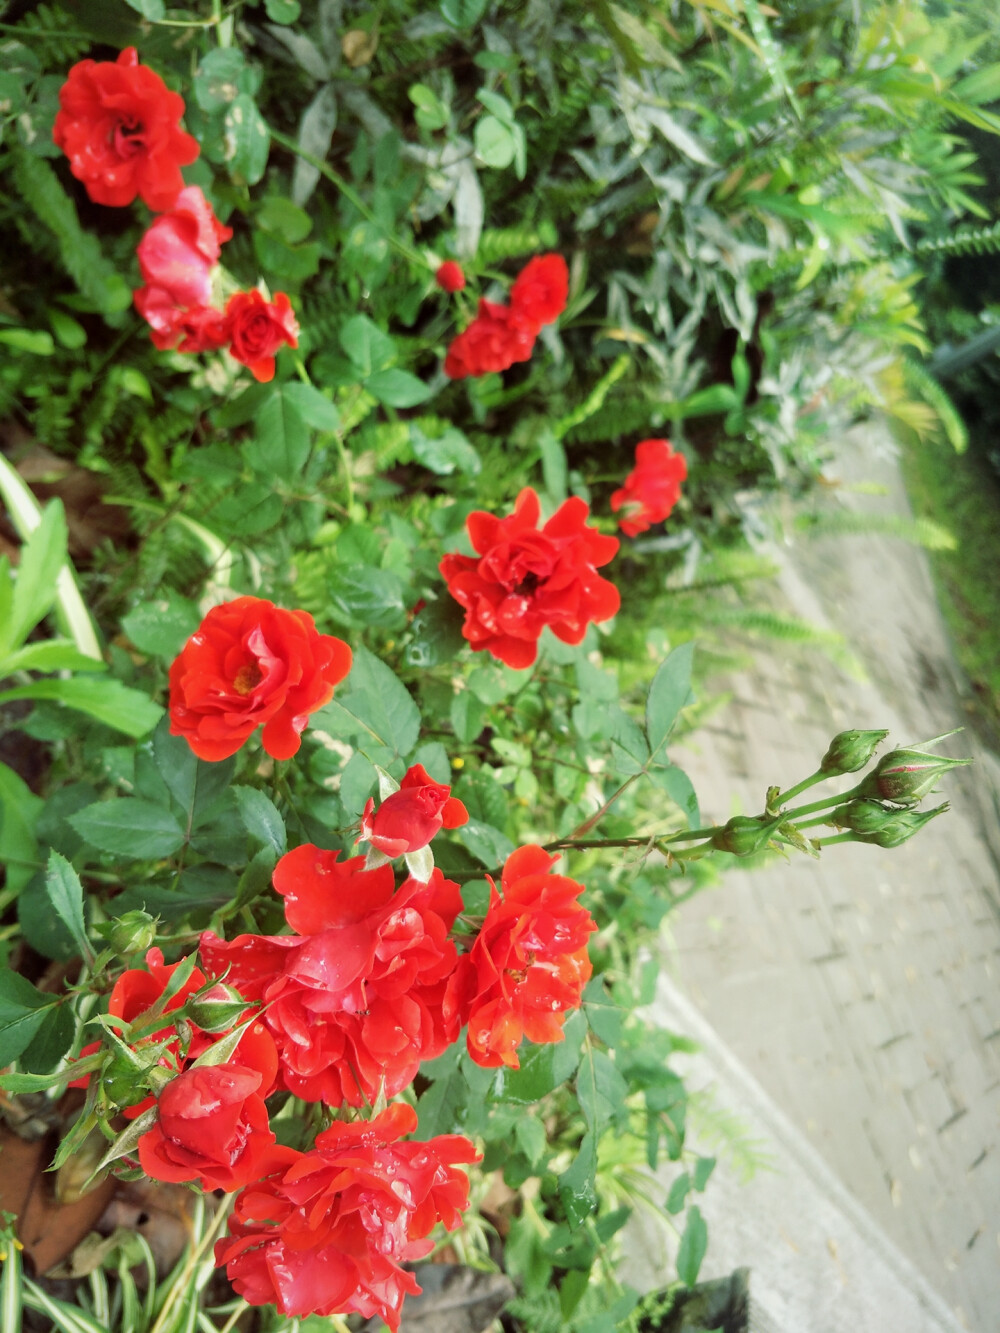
(862, 991)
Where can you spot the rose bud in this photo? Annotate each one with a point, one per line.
(906, 776)
(902, 825)
(132, 932)
(850, 751)
(744, 835)
(450, 277)
(217, 1010)
(863, 816)
(258, 329)
(407, 820)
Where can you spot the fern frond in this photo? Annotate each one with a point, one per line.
(770, 625)
(53, 26)
(729, 1134)
(923, 383)
(541, 1314)
(969, 241)
(920, 531)
(619, 416)
(80, 251)
(499, 243)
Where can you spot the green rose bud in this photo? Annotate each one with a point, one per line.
(744, 835)
(132, 932)
(850, 751)
(863, 816)
(218, 1010)
(902, 826)
(906, 776)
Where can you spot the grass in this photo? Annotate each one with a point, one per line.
(962, 492)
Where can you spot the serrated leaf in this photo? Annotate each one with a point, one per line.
(437, 635)
(314, 407)
(195, 784)
(65, 895)
(369, 349)
(19, 812)
(444, 453)
(601, 1090)
(216, 80)
(281, 441)
(668, 693)
(357, 783)
(261, 818)
(398, 388)
(22, 1012)
(51, 1042)
(129, 827)
(162, 626)
(377, 708)
(577, 1185)
(463, 13)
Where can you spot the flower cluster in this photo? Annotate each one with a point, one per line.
(118, 124)
(329, 1232)
(523, 578)
(501, 335)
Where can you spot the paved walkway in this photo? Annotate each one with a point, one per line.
(863, 991)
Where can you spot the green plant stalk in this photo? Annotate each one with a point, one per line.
(799, 787)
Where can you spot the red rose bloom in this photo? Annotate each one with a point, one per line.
(213, 1128)
(359, 999)
(450, 277)
(119, 127)
(198, 328)
(529, 963)
(180, 248)
(524, 579)
(540, 290)
(329, 1233)
(258, 329)
(494, 341)
(652, 488)
(251, 663)
(409, 818)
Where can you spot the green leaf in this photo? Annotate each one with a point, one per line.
(437, 635)
(530, 1134)
(65, 897)
(130, 827)
(357, 782)
(463, 13)
(467, 716)
(363, 596)
(445, 453)
(398, 388)
(22, 1012)
(69, 332)
(282, 11)
(440, 1107)
(319, 120)
(694, 1243)
(162, 626)
(49, 655)
(247, 141)
(669, 692)
(488, 845)
(281, 443)
(369, 349)
(287, 220)
(536, 1078)
(38, 342)
(678, 786)
(195, 784)
(495, 142)
(19, 812)
(42, 556)
(313, 407)
(601, 1090)
(149, 9)
(51, 1042)
(256, 878)
(555, 471)
(111, 702)
(578, 1184)
(261, 818)
(702, 1171)
(679, 1191)
(376, 708)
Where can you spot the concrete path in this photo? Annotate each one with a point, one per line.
(863, 992)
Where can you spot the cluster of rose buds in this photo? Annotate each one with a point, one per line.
(118, 124)
(501, 335)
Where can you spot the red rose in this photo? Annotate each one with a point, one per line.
(529, 963)
(179, 249)
(329, 1233)
(118, 125)
(358, 1001)
(212, 1127)
(524, 579)
(540, 290)
(251, 663)
(198, 328)
(652, 488)
(409, 818)
(450, 277)
(494, 341)
(258, 329)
